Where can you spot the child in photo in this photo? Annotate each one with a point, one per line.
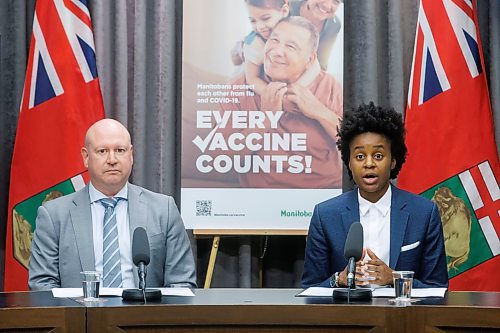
(263, 16)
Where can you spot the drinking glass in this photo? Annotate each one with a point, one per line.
(90, 283)
(403, 281)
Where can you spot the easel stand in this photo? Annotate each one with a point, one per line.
(217, 233)
(211, 262)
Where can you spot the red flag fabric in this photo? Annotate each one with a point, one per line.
(452, 155)
(61, 99)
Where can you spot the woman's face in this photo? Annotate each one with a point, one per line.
(457, 235)
(323, 9)
(371, 163)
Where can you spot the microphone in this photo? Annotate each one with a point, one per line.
(141, 258)
(141, 254)
(353, 251)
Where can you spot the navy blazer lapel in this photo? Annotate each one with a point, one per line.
(399, 221)
(81, 218)
(351, 213)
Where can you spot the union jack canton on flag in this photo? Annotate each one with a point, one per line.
(61, 99)
(452, 155)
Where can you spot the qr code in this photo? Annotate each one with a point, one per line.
(203, 207)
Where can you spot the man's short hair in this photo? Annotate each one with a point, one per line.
(306, 24)
(375, 119)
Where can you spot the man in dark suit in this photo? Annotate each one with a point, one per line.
(402, 231)
(83, 231)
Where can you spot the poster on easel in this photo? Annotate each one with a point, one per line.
(262, 97)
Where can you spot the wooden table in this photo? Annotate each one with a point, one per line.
(249, 310)
(40, 312)
(278, 310)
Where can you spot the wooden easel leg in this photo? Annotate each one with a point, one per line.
(211, 262)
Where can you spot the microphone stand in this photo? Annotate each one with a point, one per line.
(142, 294)
(357, 294)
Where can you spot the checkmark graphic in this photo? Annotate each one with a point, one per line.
(202, 144)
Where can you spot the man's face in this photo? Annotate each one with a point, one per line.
(108, 158)
(288, 53)
(371, 162)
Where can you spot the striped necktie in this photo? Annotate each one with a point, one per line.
(111, 266)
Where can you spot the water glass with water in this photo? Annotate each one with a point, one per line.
(90, 283)
(403, 281)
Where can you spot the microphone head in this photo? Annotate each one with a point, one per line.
(140, 247)
(354, 242)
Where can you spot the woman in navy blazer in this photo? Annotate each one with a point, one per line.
(371, 142)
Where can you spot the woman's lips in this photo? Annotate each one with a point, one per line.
(370, 179)
(324, 10)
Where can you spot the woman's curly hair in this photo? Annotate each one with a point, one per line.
(371, 118)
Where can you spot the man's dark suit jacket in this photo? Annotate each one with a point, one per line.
(416, 241)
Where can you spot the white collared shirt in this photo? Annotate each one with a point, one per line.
(122, 221)
(376, 221)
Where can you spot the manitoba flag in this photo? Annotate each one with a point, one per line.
(452, 155)
(61, 99)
